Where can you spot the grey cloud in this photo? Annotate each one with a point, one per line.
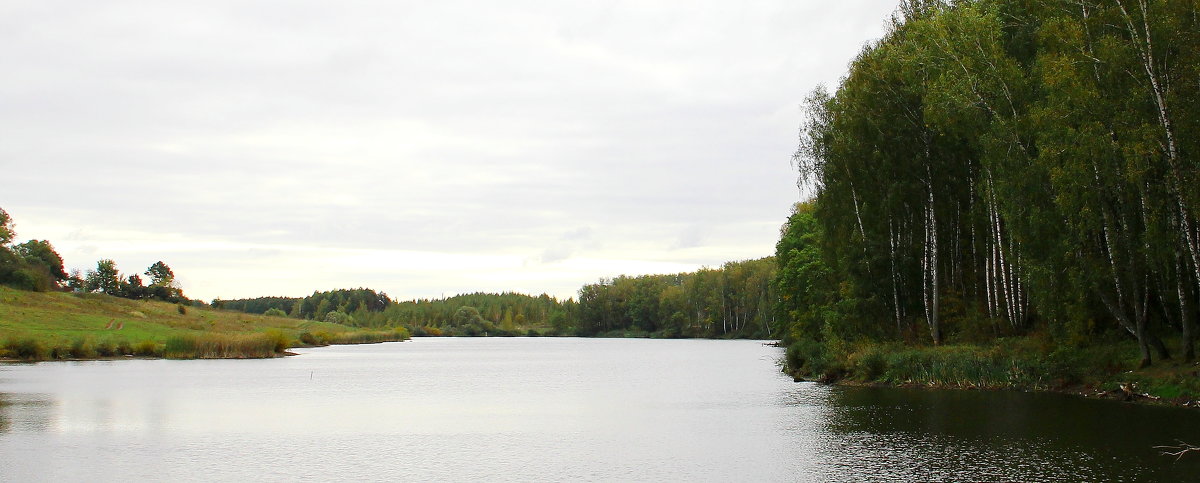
(459, 127)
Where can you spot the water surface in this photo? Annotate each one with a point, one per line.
(527, 409)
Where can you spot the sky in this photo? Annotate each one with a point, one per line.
(422, 149)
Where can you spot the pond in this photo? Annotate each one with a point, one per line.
(562, 409)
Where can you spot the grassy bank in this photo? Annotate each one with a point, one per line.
(55, 326)
(1024, 363)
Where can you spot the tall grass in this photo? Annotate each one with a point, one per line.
(222, 346)
(32, 349)
(1016, 363)
(370, 336)
(322, 337)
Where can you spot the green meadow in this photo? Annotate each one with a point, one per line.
(64, 326)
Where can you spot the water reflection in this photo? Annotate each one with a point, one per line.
(558, 409)
(26, 412)
(1001, 435)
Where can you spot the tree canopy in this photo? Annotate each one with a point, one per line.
(992, 167)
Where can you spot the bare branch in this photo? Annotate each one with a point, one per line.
(1178, 450)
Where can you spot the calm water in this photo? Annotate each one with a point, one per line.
(456, 409)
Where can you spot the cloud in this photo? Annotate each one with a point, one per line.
(642, 136)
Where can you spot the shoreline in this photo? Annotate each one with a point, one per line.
(1123, 392)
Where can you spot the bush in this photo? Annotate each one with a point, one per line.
(307, 338)
(336, 317)
(274, 312)
(278, 340)
(106, 349)
(807, 357)
(146, 348)
(26, 348)
(83, 349)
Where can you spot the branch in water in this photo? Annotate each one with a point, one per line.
(1178, 450)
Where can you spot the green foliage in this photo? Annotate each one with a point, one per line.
(526, 312)
(735, 300)
(278, 340)
(6, 228)
(995, 168)
(33, 265)
(147, 348)
(260, 305)
(274, 312)
(805, 284)
(83, 348)
(500, 314)
(41, 254)
(359, 303)
(104, 279)
(25, 348)
(336, 317)
(160, 274)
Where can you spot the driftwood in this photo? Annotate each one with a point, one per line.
(1178, 450)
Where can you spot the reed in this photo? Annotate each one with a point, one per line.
(370, 336)
(224, 346)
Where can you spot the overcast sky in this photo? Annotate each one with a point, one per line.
(418, 148)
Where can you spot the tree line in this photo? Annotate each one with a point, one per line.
(995, 167)
(32, 265)
(467, 314)
(735, 300)
(35, 265)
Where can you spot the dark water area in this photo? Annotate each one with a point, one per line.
(916, 434)
(530, 409)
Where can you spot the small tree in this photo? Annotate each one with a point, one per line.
(105, 279)
(6, 228)
(40, 253)
(133, 288)
(162, 283)
(160, 274)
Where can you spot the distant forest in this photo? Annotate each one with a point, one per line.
(736, 300)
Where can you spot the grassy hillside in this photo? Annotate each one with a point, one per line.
(55, 325)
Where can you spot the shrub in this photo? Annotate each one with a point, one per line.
(278, 340)
(83, 349)
(181, 309)
(274, 312)
(106, 349)
(307, 338)
(339, 318)
(147, 348)
(26, 348)
(807, 357)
